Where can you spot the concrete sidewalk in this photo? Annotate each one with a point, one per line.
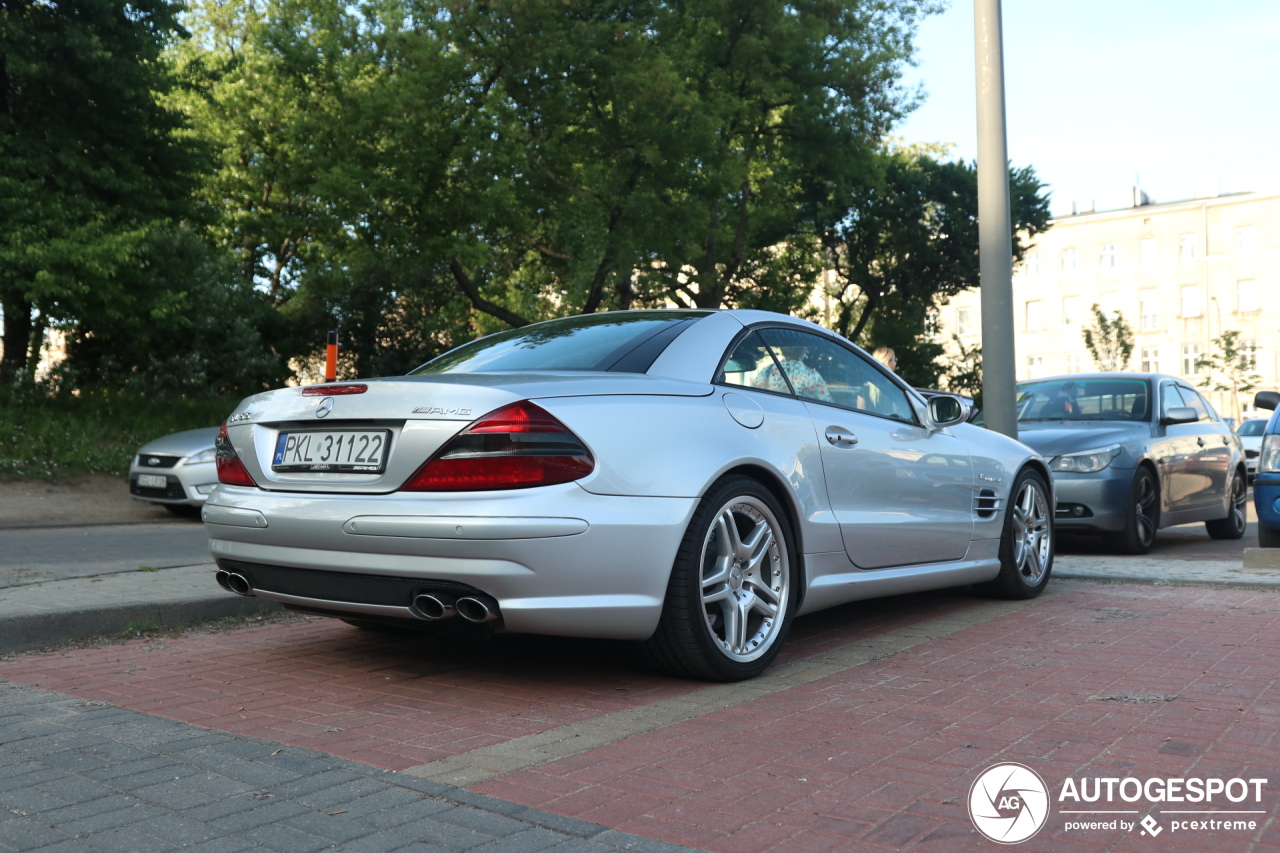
(38, 615)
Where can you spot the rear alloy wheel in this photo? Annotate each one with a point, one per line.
(1142, 518)
(1237, 520)
(730, 599)
(1026, 546)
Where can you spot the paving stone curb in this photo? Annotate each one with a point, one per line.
(46, 614)
(76, 773)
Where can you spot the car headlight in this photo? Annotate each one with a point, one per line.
(202, 457)
(1086, 461)
(1269, 458)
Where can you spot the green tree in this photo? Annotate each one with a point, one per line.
(963, 373)
(907, 241)
(1232, 368)
(1109, 340)
(90, 161)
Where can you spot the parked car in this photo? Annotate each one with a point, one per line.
(177, 471)
(1132, 453)
(693, 480)
(1266, 487)
(1250, 433)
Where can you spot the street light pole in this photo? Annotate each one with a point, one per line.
(995, 242)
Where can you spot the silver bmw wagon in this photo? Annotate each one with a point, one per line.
(693, 480)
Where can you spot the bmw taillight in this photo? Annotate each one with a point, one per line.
(231, 470)
(515, 447)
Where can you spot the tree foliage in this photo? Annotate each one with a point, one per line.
(90, 160)
(1109, 340)
(1231, 368)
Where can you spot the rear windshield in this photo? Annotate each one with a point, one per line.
(1084, 400)
(1254, 427)
(587, 342)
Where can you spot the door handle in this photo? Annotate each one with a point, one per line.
(1200, 441)
(840, 437)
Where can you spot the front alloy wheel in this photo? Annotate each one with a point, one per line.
(730, 599)
(1026, 545)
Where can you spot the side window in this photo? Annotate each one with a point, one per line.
(1196, 402)
(821, 370)
(1172, 399)
(751, 366)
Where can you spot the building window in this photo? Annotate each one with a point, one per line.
(1110, 304)
(1190, 355)
(1150, 359)
(1070, 260)
(1108, 257)
(964, 325)
(1148, 252)
(1191, 302)
(1033, 263)
(1075, 363)
(1246, 295)
(1035, 316)
(1035, 366)
(1070, 310)
(1244, 239)
(1187, 247)
(1149, 307)
(1249, 354)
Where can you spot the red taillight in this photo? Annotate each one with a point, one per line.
(231, 470)
(515, 447)
(333, 390)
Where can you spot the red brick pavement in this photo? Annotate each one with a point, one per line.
(879, 756)
(396, 701)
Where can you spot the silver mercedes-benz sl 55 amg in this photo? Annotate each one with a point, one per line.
(694, 480)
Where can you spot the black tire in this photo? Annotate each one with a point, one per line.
(1237, 520)
(1268, 538)
(1026, 543)
(722, 580)
(1142, 519)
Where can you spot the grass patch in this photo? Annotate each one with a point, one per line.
(147, 569)
(137, 629)
(45, 436)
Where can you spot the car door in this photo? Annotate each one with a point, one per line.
(1176, 453)
(1212, 465)
(901, 493)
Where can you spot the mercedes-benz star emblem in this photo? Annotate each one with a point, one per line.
(325, 407)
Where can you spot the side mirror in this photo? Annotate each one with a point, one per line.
(946, 410)
(1180, 415)
(1267, 400)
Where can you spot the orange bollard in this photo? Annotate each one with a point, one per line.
(331, 358)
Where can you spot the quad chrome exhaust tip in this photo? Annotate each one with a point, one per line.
(475, 608)
(433, 607)
(234, 582)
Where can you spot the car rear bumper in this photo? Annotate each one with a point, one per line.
(1103, 499)
(557, 559)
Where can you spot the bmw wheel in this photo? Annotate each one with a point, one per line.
(1142, 516)
(731, 596)
(1237, 520)
(1026, 545)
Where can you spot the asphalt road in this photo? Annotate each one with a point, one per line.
(31, 555)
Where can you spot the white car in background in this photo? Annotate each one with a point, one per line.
(1250, 433)
(177, 471)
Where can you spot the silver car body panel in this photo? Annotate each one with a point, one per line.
(592, 558)
(193, 480)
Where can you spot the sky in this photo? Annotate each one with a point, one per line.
(1182, 96)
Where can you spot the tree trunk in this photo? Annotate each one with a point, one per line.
(17, 336)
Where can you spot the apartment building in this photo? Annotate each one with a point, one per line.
(1180, 274)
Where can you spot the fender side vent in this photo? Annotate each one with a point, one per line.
(986, 503)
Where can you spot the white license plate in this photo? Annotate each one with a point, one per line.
(350, 451)
(153, 481)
